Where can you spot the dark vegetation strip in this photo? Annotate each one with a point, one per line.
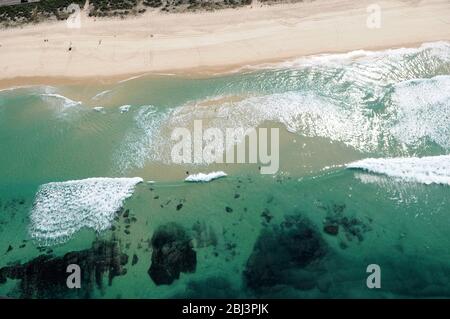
(45, 10)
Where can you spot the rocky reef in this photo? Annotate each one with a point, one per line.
(281, 253)
(337, 221)
(46, 275)
(172, 254)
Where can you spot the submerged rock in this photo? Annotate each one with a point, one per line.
(267, 215)
(331, 229)
(352, 227)
(282, 252)
(172, 254)
(45, 276)
(135, 260)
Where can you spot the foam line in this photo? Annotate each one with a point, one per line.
(425, 170)
(63, 208)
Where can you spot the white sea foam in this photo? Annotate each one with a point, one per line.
(425, 170)
(422, 110)
(132, 78)
(365, 100)
(438, 49)
(14, 88)
(367, 178)
(10, 89)
(101, 94)
(301, 112)
(304, 113)
(144, 141)
(395, 189)
(66, 102)
(99, 108)
(63, 208)
(417, 111)
(201, 177)
(124, 108)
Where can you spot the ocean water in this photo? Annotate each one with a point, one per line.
(86, 178)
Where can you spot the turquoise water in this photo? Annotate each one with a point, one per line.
(308, 231)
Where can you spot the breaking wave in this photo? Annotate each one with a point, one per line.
(101, 95)
(391, 103)
(421, 109)
(66, 102)
(417, 112)
(202, 177)
(140, 143)
(63, 208)
(439, 49)
(425, 170)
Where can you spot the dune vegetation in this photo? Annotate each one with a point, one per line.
(45, 10)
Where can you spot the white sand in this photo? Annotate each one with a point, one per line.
(211, 42)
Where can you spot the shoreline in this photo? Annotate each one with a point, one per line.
(200, 72)
(210, 43)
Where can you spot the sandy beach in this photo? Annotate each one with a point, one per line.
(289, 152)
(211, 42)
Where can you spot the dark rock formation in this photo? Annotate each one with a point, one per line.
(46, 276)
(172, 254)
(282, 252)
(267, 215)
(331, 229)
(135, 260)
(352, 227)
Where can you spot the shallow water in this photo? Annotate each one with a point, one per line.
(308, 231)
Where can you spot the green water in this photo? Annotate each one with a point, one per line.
(240, 227)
